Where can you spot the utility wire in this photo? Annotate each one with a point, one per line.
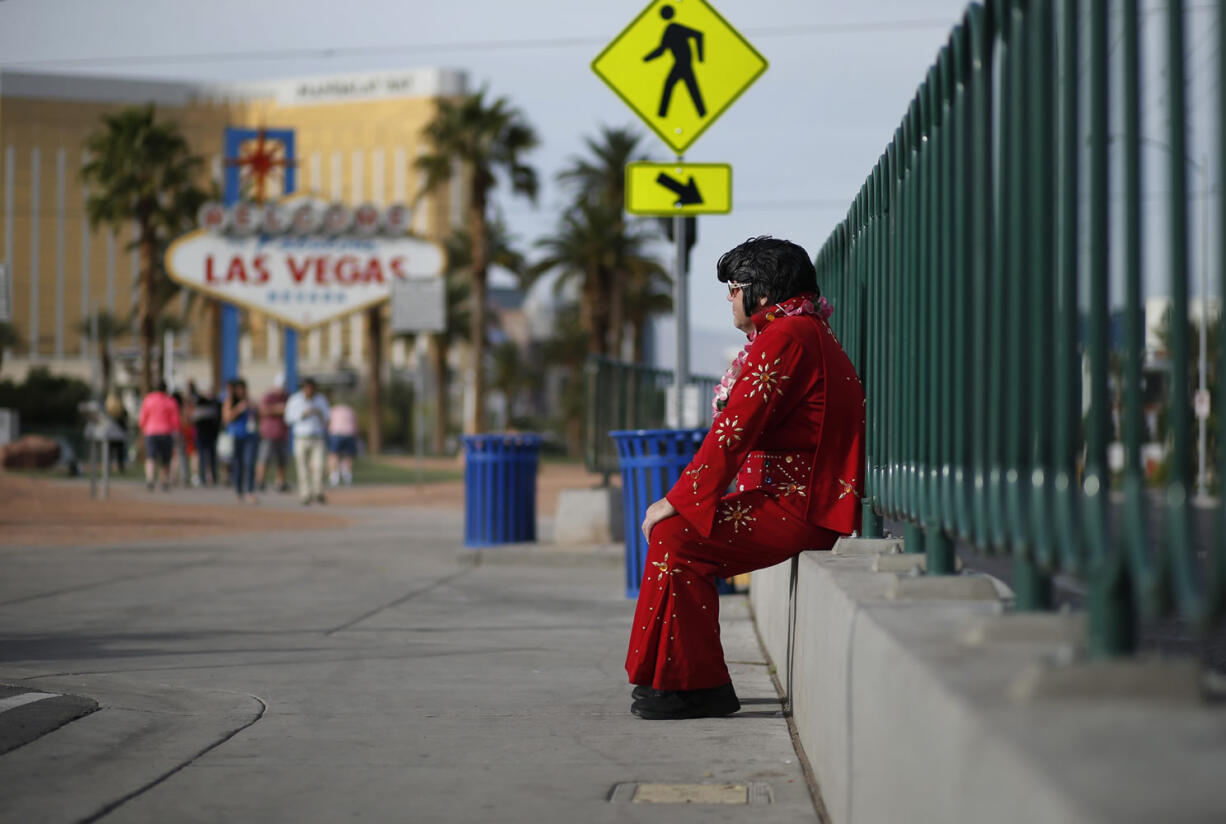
(819, 29)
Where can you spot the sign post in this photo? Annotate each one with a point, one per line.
(259, 153)
(6, 294)
(679, 65)
(419, 305)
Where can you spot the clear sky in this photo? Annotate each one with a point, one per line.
(801, 140)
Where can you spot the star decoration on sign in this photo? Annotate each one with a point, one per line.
(261, 161)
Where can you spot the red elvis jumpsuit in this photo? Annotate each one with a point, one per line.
(792, 435)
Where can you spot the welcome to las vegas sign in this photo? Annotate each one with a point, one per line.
(301, 260)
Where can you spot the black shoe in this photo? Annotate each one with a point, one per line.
(667, 705)
(640, 692)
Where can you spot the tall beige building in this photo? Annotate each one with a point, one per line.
(357, 137)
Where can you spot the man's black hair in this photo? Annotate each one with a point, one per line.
(771, 268)
(160, 386)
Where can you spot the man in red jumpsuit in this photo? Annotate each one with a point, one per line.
(790, 433)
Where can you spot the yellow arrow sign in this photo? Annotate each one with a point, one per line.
(678, 188)
(679, 65)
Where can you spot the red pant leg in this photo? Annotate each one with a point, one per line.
(674, 642)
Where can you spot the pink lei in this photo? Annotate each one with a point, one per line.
(799, 305)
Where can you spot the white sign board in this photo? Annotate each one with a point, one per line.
(6, 294)
(1201, 403)
(10, 425)
(303, 262)
(419, 305)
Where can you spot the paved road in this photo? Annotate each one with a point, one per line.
(376, 673)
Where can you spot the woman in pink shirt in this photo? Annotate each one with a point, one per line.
(159, 421)
(342, 444)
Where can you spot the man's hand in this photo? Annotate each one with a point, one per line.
(657, 512)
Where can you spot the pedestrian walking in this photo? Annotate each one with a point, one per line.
(789, 429)
(117, 432)
(342, 444)
(239, 418)
(274, 436)
(159, 422)
(307, 414)
(206, 416)
(184, 443)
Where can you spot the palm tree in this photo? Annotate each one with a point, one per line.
(595, 246)
(603, 176)
(567, 348)
(489, 137)
(500, 251)
(511, 375)
(138, 171)
(107, 327)
(600, 178)
(647, 291)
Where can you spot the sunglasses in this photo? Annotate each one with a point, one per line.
(734, 286)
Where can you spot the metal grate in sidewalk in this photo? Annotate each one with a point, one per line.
(756, 792)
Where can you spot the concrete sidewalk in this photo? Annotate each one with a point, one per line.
(376, 673)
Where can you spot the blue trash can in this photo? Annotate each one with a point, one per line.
(500, 488)
(651, 461)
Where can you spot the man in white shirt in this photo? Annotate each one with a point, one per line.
(307, 414)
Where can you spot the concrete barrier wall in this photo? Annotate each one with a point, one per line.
(915, 704)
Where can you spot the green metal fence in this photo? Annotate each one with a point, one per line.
(972, 275)
(629, 396)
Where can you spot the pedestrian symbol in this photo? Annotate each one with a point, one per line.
(677, 39)
(679, 65)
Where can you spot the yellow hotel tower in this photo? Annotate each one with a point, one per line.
(357, 136)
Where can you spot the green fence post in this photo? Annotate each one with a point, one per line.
(938, 547)
(980, 261)
(1111, 629)
(994, 275)
(959, 238)
(1182, 553)
(1217, 553)
(871, 522)
(1138, 573)
(1066, 373)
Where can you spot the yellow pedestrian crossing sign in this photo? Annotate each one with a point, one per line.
(679, 65)
(678, 188)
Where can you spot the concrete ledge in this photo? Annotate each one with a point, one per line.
(589, 516)
(948, 711)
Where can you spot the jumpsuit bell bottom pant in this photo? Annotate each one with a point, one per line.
(674, 643)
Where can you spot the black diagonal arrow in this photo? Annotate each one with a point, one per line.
(687, 194)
